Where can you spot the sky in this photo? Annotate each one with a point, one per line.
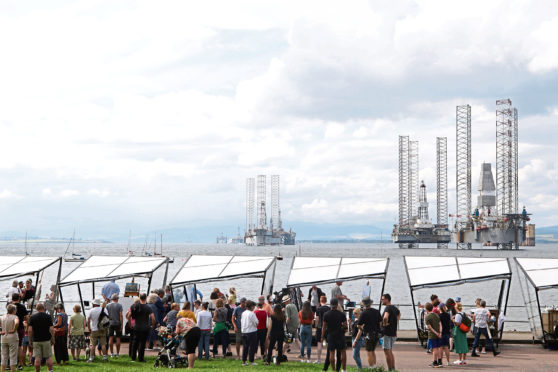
(148, 115)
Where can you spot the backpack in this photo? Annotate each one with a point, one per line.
(104, 322)
(465, 325)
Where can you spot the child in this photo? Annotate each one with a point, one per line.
(434, 326)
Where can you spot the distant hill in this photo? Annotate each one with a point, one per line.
(546, 233)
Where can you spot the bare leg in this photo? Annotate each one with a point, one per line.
(111, 344)
(191, 360)
(344, 359)
(48, 363)
(371, 358)
(117, 346)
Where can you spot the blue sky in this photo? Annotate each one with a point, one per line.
(150, 115)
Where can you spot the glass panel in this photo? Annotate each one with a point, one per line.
(433, 275)
(543, 278)
(365, 268)
(188, 274)
(249, 258)
(104, 260)
(207, 260)
(7, 261)
(246, 267)
(482, 269)
(88, 273)
(133, 259)
(472, 260)
(417, 262)
(351, 260)
(28, 267)
(538, 263)
(303, 262)
(136, 267)
(308, 275)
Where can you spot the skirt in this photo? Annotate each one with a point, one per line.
(460, 341)
(77, 342)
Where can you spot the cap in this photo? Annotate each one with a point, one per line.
(441, 305)
(97, 302)
(458, 299)
(366, 301)
(114, 296)
(243, 299)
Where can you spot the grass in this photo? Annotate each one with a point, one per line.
(123, 364)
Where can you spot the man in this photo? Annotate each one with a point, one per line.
(320, 312)
(109, 289)
(144, 321)
(205, 322)
(314, 295)
(237, 324)
(197, 308)
(261, 314)
(41, 336)
(335, 325)
(434, 326)
(390, 318)
(98, 334)
(481, 327)
(337, 294)
(167, 299)
(28, 291)
(114, 310)
(159, 305)
(292, 322)
(369, 326)
(22, 315)
(13, 289)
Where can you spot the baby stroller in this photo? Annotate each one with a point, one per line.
(168, 355)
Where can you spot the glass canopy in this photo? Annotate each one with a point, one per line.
(100, 268)
(200, 268)
(322, 270)
(541, 272)
(13, 266)
(440, 271)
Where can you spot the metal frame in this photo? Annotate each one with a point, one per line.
(504, 277)
(537, 289)
(463, 169)
(146, 274)
(256, 274)
(382, 276)
(442, 184)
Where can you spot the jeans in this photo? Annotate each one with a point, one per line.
(478, 333)
(356, 352)
(221, 337)
(305, 339)
(249, 346)
(203, 345)
(140, 337)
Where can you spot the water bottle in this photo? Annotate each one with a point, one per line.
(381, 341)
(324, 344)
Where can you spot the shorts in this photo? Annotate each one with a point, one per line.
(77, 342)
(444, 341)
(238, 338)
(435, 343)
(370, 343)
(336, 343)
(98, 336)
(293, 332)
(318, 335)
(191, 340)
(42, 349)
(20, 335)
(25, 341)
(388, 342)
(115, 330)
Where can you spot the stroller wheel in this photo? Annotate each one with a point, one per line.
(156, 364)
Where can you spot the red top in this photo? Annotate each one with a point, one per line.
(305, 320)
(261, 314)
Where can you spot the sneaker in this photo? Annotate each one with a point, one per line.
(112, 355)
(433, 364)
(475, 355)
(244, 364)
(317, 361)
(496, 353)
(308, 361)
(89, 360)
(457, 362)
(253, 364)
(117, 356)
(483, 352)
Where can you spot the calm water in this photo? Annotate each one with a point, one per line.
(396, 282)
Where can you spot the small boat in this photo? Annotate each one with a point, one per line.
(75, 257)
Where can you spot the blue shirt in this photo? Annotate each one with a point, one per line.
(109, 289)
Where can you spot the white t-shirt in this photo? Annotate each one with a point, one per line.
(481, 317)
(315, 301)
(11, 291)
(94, 317)
(249, 322)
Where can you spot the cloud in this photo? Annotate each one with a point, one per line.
(158, 120)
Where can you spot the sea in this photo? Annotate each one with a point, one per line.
(396, 282)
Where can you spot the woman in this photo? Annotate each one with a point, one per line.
(172, 316)
(50, 302)
(276, 334)
(306, 317)
(187, 312)
(10, 339)
(191, 334)
(482, 342)
(358, 344)
(445, 319)
(61, 335)
(220, 329)
(450, 304)
(77, 333)
(460, 337)
(213, 297)
(232, 297)
(153, 337)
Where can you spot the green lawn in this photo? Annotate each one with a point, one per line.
(218, 365)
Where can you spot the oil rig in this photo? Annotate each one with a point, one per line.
(261, 234)
(496, 220)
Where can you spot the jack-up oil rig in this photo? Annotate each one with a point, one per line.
(261, 234)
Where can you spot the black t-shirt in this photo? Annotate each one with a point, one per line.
(41, 323)
(391, 328)
(277, 326)
(141, 314)
(370, 319)
(445, 318)
(320, 312)
(21, 313)
(334, 320)
(29, 293)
